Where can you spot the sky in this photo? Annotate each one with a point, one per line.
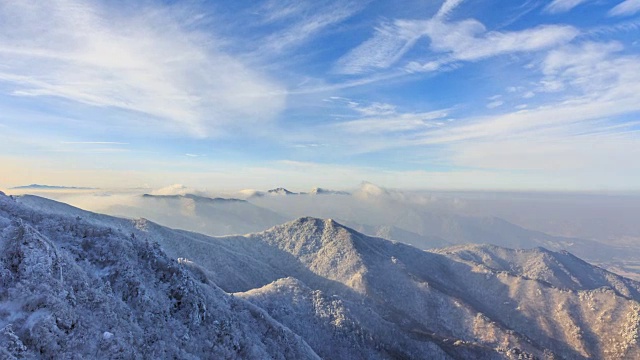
(454, 94)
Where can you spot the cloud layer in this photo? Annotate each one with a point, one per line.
(466, 40)
(153, 62)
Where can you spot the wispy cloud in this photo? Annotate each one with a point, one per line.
(274, 11)
(447, 7)
(366, 109)
(560, 6)
(594, 69)
(394, 123)
(601, 83)
(304, 20)
(309, 145)
(600, 32)
(469, 40)
(149, 60)
(563, 117)
(495, 104)
(579, 130)
(324, 87)
(466, 40)
(383, 118)
(93, 143)
(100, 149)
(625, 8)
(389, 43)
(375, 109)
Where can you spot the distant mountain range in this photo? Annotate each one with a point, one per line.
(284, 192)
(76, 282)
(212, 216)
(195, 198)
(414, 225)
(50, 187)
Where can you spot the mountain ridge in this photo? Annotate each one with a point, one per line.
(71, 287)
(377, 291)
(51, 187)
(412, 303)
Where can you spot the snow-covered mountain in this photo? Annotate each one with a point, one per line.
(379, 212)
(310, 286)
(281, 191)
(252, 193)
(76, 287)
(462, 308)
(562, 269)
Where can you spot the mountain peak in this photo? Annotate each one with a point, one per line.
(314, 226)
(323, 245)
(280, 191)
(309, 219)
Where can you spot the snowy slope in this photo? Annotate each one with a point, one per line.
(339, 329)
(372, 298)
(430, 293)
(72, 288)
(559, 269)
(465, 309)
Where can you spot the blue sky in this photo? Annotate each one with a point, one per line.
(485, 94)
